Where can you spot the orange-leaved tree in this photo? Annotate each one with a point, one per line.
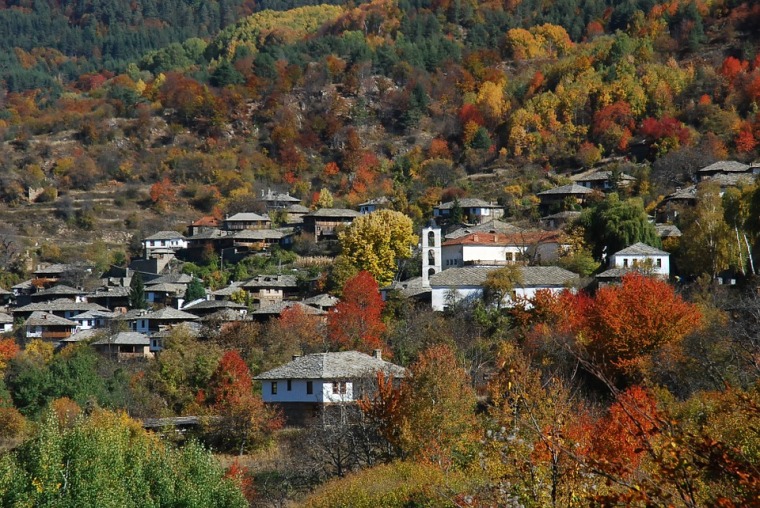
(356, 321)
(241, 421)
(624, 324)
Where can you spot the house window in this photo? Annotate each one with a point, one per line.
(658, 263)
(274, 387)
(339, 387)
(309, 387)
(625, 263)
(290, 384)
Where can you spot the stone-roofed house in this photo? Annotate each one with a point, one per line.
(322, 301)
(149, 322)
(165, 294)
(674, 204)
(5, 297)
(246, 220)
(273, 200)
(124, 346)
(163, 243)
(726, 168)
(110, 296)
(667, 231)
(324, 223)
(48, 327)
(266, 289)
(62, 307)
(295, 214)
(491, 226)
(48, 275)
(409, 289)
(474, 210)
(253, 240)
(271, 310)
(558, 196)
(6, 323)
(374, 205)
(59, 291)
(93, 319)
(308, 384)
(226, 292)
(467, 283)
(603, 180)
(205, 307)
(559, 219)
(638, 257)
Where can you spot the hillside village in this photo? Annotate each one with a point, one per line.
(379, 253)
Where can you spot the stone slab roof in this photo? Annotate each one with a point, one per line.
(172, 278)
(667, 230)
(272, 281)
(246, 217)
(213, 304)
(164, 287)
(229, 290)
(408, 288)
(725, 167)
(341, 365)
(616, 273)
(59, 305)
(39, 318)
(5, 318)
(572, 189)
(599, 176)
(567, 215)
(323, 300)
(492, 226)
(60, 289)
(468, 203)
(533, 276)
(276, 308)
(641, 249)
(334, 212)
(125, 339)
(83, 335)
(262, 234)
(297, 209)
(166, 235)
(169, 314)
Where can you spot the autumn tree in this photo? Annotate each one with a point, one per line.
(376, 241)
(242, 421)
(435, 413)
(500, 283)
(623, 325)
(356, 322)
(708, 244)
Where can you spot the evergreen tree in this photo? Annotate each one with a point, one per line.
(195, 290)
(137, 292)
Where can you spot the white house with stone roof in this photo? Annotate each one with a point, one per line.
(308, 383)
(467, 283)
(644, 258)
(164, 242)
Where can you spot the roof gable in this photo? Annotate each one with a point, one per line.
(340, 365)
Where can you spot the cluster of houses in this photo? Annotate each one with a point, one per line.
(456, 262)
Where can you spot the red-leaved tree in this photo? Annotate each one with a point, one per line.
(356, 321)
(241, 420)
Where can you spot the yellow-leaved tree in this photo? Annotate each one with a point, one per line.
(374, 243)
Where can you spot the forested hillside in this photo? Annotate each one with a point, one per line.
(120, 120)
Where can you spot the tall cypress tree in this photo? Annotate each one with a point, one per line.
(137, 292)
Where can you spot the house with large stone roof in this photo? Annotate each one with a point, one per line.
(163, 243)
(245, 220)
(124, 346)
(307, 384)
(466, 284)
(474, 210)
(48, 327)
(639, 257)
(557, 197)
(603, 180)
(324, 223)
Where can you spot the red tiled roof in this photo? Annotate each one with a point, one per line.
(523, 238)
(208, 220)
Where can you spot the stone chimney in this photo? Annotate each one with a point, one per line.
(378, 354)
(295, 357)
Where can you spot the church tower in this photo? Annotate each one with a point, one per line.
(431, 252)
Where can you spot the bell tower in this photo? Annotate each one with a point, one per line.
(431, 252)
